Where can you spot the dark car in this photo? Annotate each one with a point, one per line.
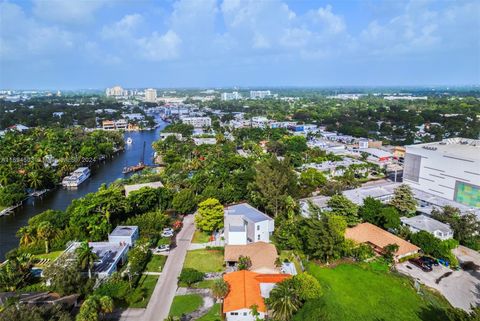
(419, 263)
(429, 260)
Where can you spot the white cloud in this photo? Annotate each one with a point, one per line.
(67, 12)
(327, 20)
(122, 28)
(160, 47)
(22, 37)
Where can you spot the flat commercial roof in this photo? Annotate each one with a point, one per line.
(456, 147)
(249, 212)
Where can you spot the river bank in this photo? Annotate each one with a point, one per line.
(60, 198)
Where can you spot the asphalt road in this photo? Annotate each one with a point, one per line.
(159, 305)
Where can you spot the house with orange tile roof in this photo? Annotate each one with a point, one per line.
(248, 289)
(378, 239)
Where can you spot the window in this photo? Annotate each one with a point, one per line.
(258, 237)
(233, 313)
(244, 314)
(258, 227)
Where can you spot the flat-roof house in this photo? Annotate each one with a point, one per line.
(124, 235)
(246, 290)
(245, 224)
(261, 254)
(378, 239)
(424, 223)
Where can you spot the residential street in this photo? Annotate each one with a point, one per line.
(162, 297)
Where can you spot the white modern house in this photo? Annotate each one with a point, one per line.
(424, 223)
(124, 235)
(245, 224)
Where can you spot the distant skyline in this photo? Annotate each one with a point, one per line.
(53, 44)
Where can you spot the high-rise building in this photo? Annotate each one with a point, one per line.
(231, 96)
(151, 95)
(448, 169)
(254, 94)
(114, 91)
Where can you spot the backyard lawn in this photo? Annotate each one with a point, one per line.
(143, 291)
(213, 314)
(354, 292)
(156, 263)
(200, 237)
(205, 260)
(184, 304)
(52, 256)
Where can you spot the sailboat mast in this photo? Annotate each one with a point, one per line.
(143, 153)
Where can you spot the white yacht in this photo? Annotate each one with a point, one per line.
(129, 141)
(77, 177)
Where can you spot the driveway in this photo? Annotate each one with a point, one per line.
(162, 297)
(460, 288)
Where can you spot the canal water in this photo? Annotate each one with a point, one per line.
(60, 198)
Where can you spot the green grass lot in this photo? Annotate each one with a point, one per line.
(205, 260)
(156, 263)
(205, 284)
(52, 256)
(365, 292)
(143, 291)
(213, 314)
(183, 304)
(200, 237)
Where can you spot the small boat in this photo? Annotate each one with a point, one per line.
(129, 141)
(134, 168)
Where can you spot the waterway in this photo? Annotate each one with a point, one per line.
(60, 198)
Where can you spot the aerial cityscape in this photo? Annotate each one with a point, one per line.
(239, 160)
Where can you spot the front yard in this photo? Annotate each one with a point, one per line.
(205, 260)
(361, 292)
(141, 295)
(213, 314)
(184, 304)
(200, 237)
(156, 263)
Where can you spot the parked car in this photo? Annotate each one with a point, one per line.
(162, 248)
(429, 260)
(167, 234)
(419, 263)
(444, 262)
(168, 230)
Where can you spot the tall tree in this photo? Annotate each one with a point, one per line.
(342, 206)
(45, 232)
(209, 216)
(86, 257)
(283, 301)
(403, 200)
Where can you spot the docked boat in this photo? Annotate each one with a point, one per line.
(134, 168)
(77, 177)
(129, 141)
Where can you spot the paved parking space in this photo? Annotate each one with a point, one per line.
(460, 288)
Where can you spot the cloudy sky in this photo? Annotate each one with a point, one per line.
(212, 43)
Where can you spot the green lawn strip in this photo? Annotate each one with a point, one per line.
(205, 260)
(184, 304)
(205, 284)
(52, 256)
(213, 314)
(156, 263)
(200, 237)
(355, 292)
(143, 291)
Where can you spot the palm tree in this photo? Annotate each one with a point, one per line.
(46, 231)
(105, 304)
(283, 301)
(34, 179)
(26, 235)
(220, 290)
(86, 257)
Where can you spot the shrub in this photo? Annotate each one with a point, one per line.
(190, 276)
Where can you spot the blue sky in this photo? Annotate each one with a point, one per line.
(221, 43)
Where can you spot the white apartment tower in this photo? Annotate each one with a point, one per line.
(448, 169)
(115, 91)
(151, 95)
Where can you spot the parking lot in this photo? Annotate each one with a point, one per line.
(461, 288)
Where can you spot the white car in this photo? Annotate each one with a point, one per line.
(168, 230)
(162, 248)
(167, 234)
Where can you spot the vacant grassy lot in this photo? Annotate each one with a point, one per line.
(142, 293)
(156, 263)
(364, 292)
(183, 304)
(200, 237)
(213, 314)
(205, 260)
